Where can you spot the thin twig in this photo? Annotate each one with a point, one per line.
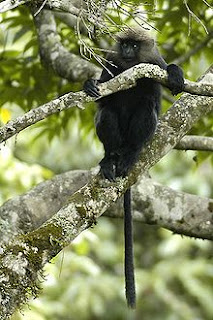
(207, 4)
(41, 7)
(193, 15)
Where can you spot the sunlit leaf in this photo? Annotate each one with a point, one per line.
(5, 115)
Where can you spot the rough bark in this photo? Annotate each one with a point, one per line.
(152, 204)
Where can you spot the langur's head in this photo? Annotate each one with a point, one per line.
(134, 46)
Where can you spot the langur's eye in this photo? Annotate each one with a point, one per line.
(135, 46)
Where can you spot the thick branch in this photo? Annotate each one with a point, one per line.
(124, 81)
(195, 143)
(152, 203)
(54, 54)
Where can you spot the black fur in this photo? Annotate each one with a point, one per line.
(127, 120)
(129, 254)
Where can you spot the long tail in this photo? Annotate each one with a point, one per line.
(129, 256)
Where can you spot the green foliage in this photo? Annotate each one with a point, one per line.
(16, 177)
(196, 171)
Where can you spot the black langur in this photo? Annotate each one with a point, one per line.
(127, 120)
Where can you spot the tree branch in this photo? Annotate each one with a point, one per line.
(195, 143)
(54, 54)
(63, 5)
(150, 204)
(123, 81)
(11, 4)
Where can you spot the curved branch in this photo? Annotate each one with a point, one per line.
(123, 81)
(54, 54)
(195, 143)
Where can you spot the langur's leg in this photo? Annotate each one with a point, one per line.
(107, 129)
(141, 129)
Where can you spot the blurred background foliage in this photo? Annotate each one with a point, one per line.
(174, 274)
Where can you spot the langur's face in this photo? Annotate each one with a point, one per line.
(129, 50)
(132, 52)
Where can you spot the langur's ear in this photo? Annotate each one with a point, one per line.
(148, 44)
